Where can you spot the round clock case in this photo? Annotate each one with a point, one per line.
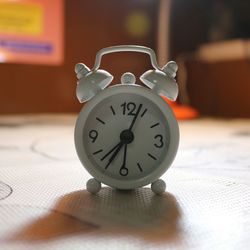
(155, 130)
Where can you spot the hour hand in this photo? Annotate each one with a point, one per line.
(110, 151)
(123, 169)
(118, 148)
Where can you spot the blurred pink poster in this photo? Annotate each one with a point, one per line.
(31, 31)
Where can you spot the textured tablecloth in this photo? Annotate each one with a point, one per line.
(44, 205)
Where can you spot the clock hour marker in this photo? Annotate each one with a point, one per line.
(153, 157)
(97, 152)
(101, 121)
(112, 109)
(143, 113)
(139, 166)
(154, 125)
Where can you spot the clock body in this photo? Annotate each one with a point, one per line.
(149, 147)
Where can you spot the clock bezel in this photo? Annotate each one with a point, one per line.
(168, 115)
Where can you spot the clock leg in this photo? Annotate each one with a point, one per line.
(93, 186)
(159, 186)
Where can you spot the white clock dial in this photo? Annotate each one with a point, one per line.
(119, 151)
(126, 137)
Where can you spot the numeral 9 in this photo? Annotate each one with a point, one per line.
(93, 134)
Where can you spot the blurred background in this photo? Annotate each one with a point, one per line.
(41, 41)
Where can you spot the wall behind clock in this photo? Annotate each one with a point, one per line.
(88, 27)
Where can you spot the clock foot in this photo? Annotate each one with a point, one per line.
(158, 187)
(93, 186)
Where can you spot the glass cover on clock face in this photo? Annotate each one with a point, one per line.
(126, 136)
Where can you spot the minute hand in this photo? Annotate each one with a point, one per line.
(110, 151)
(118, 148)
(135, 117)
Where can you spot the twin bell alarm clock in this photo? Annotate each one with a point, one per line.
(126, 135)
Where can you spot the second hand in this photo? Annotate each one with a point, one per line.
(124, 141)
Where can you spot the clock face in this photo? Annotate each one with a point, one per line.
(126, 136)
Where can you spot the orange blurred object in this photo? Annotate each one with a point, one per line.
(182, 112)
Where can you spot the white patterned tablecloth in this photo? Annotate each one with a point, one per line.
(44, 205)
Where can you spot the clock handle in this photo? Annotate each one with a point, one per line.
(128, 48)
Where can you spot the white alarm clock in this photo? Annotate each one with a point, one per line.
(126, 135)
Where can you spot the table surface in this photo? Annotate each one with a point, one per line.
(44, 204)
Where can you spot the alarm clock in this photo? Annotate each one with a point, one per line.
(126, 135)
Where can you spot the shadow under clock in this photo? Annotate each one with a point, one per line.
(138, 213)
